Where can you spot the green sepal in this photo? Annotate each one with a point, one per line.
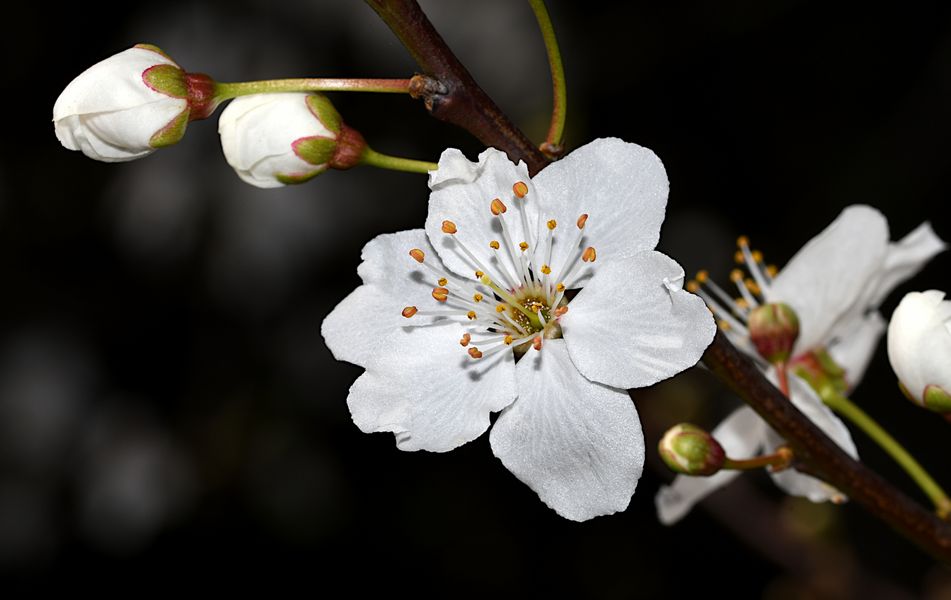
(315, 150)
(167, 79)
(295, 179)
(325, 112)
(937, 399)
(154, 48)
(171, 133)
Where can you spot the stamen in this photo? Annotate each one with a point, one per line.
(510, 248)
(494, 244)
(523, 246)
(581, 221)
(477, 297)
(466, 338)
(471, 315)
(508, 340)
(753, 265)
(497, 207)
(704, 279)
(560, 311)
(417, 254)
(736, 276)
(520, 189)
(409, 311)
(546, 269)
(442, 281)
(572, 259)
(552, 224)
(479, 274)
(589, 255)
(449, 227)
(440, 294)
(474, 352)
(537, 343)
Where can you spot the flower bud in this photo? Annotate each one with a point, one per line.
(687, 449)
(774, 328)
(277, 139)
(919, 348)
(130, 104)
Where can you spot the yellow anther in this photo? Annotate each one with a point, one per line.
(494, 245)
(537, 343)
(497, 207)
(702, 277)
(581, 221)
(520, 189)
(552, 224)
(466, 338)
(546, 269)
(724, 325)
(523, 246)
(738, 257)
(772, 270)
(589, 255)
(560, 311)
(409, 311)
(741, 303)
(440, 294)
(417, 254)
(742, 241)
(757, 256)
(479, 274)
(500, 308)
(477, 297)
(471, 315)
(560, 287)
(736, 275)
(693, 286)
(449, 227)
(474, 352)
(752, 286)
(442, 281)
(508, 340)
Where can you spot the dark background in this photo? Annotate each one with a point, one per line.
(170, 417)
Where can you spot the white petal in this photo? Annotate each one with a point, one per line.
(903, 260)
(462, 192)
(853, 347)
(825, 278)
(621, 186)
(632, 325)
(392, 280)
(741, 434)
(807, 401)
(919, 342)
(424, 388)
(111, 85)
(257, 133)
(578, 444)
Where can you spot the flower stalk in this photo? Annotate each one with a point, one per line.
(552, 146)
(777, 461)
(226, 91)
(395, 163)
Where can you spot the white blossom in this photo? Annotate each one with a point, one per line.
(124, 107)
(539, 297)
(919, 348)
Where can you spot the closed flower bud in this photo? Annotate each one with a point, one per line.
(687, 449)
(773, 329)
(130, 104)
(919, 348)
(277, 139)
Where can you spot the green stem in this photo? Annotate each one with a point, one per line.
(225, 91)
(849, 410)
(395, 163)
(781, 459)
(556, 131)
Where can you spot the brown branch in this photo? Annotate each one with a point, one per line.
(818, 455)
(451, 94)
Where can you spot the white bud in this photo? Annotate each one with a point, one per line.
(124, 107)
(919, 348)
(272, 140)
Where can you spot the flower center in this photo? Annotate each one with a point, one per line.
(507, 307)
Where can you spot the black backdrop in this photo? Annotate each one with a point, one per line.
(169, 414)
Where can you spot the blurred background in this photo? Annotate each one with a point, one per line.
(169, 412)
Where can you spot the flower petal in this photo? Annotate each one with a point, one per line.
(423, 387)
(903, 259)
(919, 342)
(621, 186)
(632, 325)
(807, 401)
(854, 347)
(741, 434)
(462, 192)
(578, 444)
(392, 280)
(826, 277)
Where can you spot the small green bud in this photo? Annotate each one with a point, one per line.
(774, 328)
(690, 450)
